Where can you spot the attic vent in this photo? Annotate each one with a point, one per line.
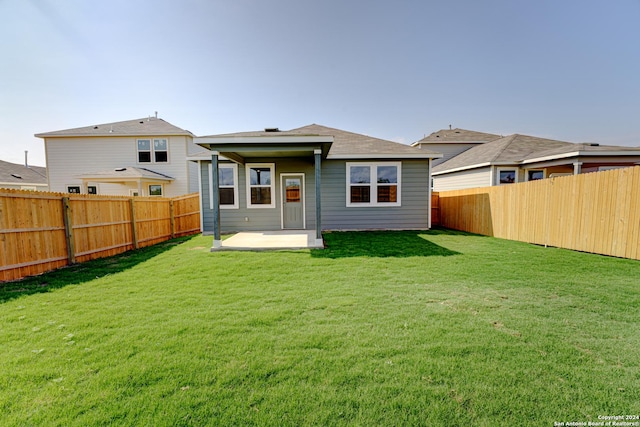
(95, 127)
(457, 131)
(16, 176)
(121, 169)
(594, 144)
(271, 130)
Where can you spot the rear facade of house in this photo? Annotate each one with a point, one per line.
(276, 181)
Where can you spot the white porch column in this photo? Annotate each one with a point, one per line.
(577, 168)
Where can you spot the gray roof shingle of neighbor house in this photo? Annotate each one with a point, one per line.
(512, 148)
(458, 135)
(15, 173)
(344, 143)
(149, 126)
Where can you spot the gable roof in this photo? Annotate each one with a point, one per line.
(148, 126)
(457, 135)
(345, 145)
(14, 173)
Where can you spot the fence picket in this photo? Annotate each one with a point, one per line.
(595, 212)
(43, 231)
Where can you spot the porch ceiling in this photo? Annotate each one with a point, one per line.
(239, 149)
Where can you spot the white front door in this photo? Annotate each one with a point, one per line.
(292, 201)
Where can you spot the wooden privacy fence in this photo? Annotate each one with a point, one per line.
(594, 212)
(435, 209)
(44, 231)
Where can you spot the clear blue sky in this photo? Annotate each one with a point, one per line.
(395, 69)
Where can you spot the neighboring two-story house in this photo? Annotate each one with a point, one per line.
(145, 157)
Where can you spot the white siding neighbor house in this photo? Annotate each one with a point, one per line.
(145, 157)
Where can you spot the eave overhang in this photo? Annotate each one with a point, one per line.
(238, 149)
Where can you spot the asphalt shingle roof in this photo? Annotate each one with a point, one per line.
(126, 172)
(20, 174)
(458, 135)
(147, 126)
(512, 148)
(344, 143)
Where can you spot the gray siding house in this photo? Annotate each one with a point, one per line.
(312, 178)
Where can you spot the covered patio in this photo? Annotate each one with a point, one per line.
(137, 179)
(271, 240)
(272, 145)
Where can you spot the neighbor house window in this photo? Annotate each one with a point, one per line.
(73, 189)
(92, 189)
(507, 176)
(373, 184)
(160, 151)
(534, 175)
(261, 185)
(144, 151)
(155, 150)
(155, 190)
(228, 186)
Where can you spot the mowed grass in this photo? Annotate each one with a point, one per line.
(433, 328)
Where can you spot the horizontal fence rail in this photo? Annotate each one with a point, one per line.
(595, 212)
(41, 231)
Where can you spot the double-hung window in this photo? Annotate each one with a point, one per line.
(153, 150)
(373, 184)
(261, 185)
(227, 184)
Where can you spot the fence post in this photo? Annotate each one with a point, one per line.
(134, 235)
(173, 219)
(68, 230)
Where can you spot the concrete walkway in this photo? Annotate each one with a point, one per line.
(265, 240)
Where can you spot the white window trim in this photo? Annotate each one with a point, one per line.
(374, 184)
(274, 195)
(236, 204)
(304, 202)
(498, 170)
(156, 195)
(152, 150)
(526, 174)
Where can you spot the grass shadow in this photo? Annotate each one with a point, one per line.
(381, 244)
(84, 272)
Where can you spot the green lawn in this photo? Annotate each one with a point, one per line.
(433, 328)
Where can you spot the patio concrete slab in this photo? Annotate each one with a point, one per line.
(274, 240)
